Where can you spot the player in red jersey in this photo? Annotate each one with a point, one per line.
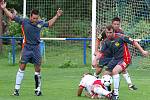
(116, 25)
(117, 44)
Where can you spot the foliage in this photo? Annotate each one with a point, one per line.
(17, 4)
(139, 31)
(48, 32)
(14, 29)
(68, 64)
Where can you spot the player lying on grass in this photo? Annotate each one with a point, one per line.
(116, 25)
(116, 44)
(94, 88)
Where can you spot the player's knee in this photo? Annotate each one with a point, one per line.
(22, 67)
(37, 68)
(98, 69)
(124, 71)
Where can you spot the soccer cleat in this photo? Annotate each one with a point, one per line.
(16, 92)
(115, 97)
(109, 96)
(132, 87)
(38, 93)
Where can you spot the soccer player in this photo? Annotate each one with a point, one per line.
(116, 25)
(116, 43)
(31, 28)
(93, 86)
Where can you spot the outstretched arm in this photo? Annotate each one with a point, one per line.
(52, 21)
(7, 12)
(80, 89)
(145, 53)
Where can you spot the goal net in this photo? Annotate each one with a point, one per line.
(135, 22)
(74, 23)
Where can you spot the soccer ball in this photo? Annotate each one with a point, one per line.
(106, 80)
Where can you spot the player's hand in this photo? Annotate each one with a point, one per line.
(145, 53)
(3, 4)
(59, 12)
(98, 55)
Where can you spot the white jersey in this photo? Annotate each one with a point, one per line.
(87, 82)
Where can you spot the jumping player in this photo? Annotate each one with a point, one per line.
(31, 51)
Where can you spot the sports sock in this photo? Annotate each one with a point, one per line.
(116, 79)
(19, 78)
(37, 78)
(127, 78)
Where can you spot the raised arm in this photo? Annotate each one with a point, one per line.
(52, 21)
(7, 12)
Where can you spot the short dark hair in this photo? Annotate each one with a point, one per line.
(109, 27)
(116, 19)
(35, 12)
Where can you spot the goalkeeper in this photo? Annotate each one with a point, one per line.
(116, 25)
(31, 28)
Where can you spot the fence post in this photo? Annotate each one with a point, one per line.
(84, 51)
(13, 50)
(42, 49)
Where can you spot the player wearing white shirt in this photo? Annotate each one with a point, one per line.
(86, 83)
(93, 86)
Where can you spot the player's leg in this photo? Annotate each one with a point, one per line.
(102, 92)
(116, 77)
(19, 78)
(128, 80)
(101, 63)
(25, 56)
(98, 70)
(37, 76)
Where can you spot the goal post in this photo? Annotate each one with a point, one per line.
(93, 27)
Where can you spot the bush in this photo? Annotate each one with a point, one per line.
(68, 64)
(14, 29)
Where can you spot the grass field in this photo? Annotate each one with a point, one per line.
(62, 83)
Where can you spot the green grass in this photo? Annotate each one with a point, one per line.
(62, 83)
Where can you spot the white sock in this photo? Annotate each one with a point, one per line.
(116, 79)
(37, 78)
(127, 78)
(19, 78)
